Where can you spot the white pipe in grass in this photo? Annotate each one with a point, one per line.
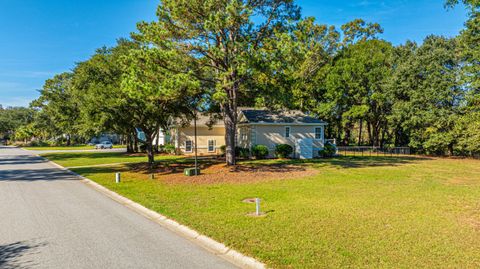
(257, 205)
(117, 177)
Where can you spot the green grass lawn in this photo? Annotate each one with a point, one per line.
(76, 147)
(72, 159)
(363, 212)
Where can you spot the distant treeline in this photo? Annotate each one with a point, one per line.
(199, 57)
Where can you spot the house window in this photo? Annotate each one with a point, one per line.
(188, 146)
(318, 132)
(211, 145)
(287, 131)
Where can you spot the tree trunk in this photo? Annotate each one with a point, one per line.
(450, 149)
(150, 153)
(348, 132)
(129, 143)
(370, 136)
(230, 131)
(157, 145)
(230, 119)
(135, 143)
(360, 133)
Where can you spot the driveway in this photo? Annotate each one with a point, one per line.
(50, 219)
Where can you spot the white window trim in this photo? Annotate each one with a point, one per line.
(315, 133)
(214, 145)
(289, 132)
(191, 146)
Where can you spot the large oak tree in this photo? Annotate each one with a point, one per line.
(223, 40)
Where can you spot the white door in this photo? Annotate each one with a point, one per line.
(304, 148)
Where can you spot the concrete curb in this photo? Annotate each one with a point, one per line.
(213, 246)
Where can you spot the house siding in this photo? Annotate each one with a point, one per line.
(247, 135)
(216, 133)
(272, 135)
(244, 136)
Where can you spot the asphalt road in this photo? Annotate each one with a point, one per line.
(50, 219)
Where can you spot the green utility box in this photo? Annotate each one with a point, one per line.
(191, 171)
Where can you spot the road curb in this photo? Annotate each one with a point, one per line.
(206, 242)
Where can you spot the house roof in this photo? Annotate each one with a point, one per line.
(202, 120)
(264, 116)
(259, 116)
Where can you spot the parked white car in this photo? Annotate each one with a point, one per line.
(104, 145)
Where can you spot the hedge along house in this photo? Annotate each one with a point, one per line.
(255, 127)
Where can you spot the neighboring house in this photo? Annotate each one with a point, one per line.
(256, 126)
(161, 139)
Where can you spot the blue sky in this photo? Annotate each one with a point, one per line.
(39, 39)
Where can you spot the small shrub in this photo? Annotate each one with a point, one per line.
(242, 152)
(169, 149)
(328, 150)
(260, 151)
(223, 149)
(143, 148)
(283, 150)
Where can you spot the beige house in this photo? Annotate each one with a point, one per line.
(256, 127)
(210, 137)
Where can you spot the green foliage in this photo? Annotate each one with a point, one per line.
(13, 120)
(219, 55)
(223, 149)
(59, 107)
(260, 151)
(223, 43)
(168, 148)
(329, 150)
(467, 132)
(242, 152)
(427, 95)
(283, 150)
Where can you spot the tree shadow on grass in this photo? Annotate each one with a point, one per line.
(346, 162)
(161, 167)
(15, 255)
(88, 155)
(175, 167)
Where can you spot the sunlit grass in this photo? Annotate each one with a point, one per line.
(77, 147)
(363, 212)
(72, 159)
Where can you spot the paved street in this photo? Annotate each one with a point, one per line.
(49, 219)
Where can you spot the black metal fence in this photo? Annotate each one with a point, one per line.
(372, 151)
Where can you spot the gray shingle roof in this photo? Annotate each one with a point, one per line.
(278, 117)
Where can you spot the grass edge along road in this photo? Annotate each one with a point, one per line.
(73, 159)
(77, 147)
(356, 212)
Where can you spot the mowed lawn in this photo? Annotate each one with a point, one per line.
(362, 212)
(73, 159)
(77, 147)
